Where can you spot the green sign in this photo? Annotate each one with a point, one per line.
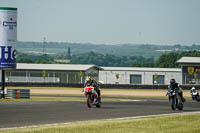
(117, 75)
(155, 76)
(44, 74)
(80, 74)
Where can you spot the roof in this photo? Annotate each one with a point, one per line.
(66, 67)
(190, 60)
(141, 69)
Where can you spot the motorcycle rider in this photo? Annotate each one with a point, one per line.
(91, 82)
(173, 85)
(193, 89)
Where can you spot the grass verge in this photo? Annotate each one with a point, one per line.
(122, 93)
(71, 88)
(45, 88)
(181, 123)
(50, 98)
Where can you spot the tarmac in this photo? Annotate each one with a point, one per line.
(18, 114)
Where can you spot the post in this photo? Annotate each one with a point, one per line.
(44, 40)
(3, 83)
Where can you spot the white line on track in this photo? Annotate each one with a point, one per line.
(35, 126)
(123, 118)
(138, 100)
(146, 116)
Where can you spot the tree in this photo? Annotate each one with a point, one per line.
(167, 61)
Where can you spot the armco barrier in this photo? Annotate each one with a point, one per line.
(115, 86)
(9, 93)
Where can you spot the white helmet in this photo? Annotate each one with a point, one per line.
(193, 88)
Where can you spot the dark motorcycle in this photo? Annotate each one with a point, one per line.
(175, 99)
(195, 95)
(90, 94)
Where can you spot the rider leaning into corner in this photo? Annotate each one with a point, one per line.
(174, 85)
(91, 82)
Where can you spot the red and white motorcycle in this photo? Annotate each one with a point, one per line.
(92, 97)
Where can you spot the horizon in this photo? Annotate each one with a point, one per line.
(88, 43)
(110, 22)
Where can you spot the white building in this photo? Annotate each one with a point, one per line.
(136, 75)
(52, 73)
(76, 73)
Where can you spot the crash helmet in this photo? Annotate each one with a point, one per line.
(172, 81)
(193, 88)
(88, 79)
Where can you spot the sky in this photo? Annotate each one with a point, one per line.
(163, 22)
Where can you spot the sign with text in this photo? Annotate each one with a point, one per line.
(8, 37)
(192, 71)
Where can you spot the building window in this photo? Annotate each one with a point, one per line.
(35, 74)
(158, 79)
(136, 79)
(16, 73)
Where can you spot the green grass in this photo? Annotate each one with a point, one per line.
(63, 61)
(45, 88)
(161, 124)
(46, 98)
(38, 98)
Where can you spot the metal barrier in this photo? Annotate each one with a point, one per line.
(116, 86)
(18, 93)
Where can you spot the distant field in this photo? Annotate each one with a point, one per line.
(187, 123)
(63, 61)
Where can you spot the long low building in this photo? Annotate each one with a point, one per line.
(189, 73)
(76, 74)
(136, 75)
(52, 73)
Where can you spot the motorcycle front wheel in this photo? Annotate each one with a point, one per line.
(172, 103)
(89, 101)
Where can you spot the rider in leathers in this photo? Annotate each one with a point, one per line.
(91, 82)
(174, 85)
(193, 89)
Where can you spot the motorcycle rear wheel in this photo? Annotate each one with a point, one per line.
(198, 98)
(98, 105)
(179, 104)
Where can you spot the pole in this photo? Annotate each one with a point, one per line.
(3, 83)
(44, 40)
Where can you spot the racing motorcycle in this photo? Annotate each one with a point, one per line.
(195, 94)
(174, 99)
(91, 94)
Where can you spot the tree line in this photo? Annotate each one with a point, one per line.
(145, 50)
(164, 61)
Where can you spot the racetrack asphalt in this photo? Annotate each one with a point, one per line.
(17, 114)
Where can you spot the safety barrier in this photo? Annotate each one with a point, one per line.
(18, 93)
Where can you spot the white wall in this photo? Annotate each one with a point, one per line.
(109, 77)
